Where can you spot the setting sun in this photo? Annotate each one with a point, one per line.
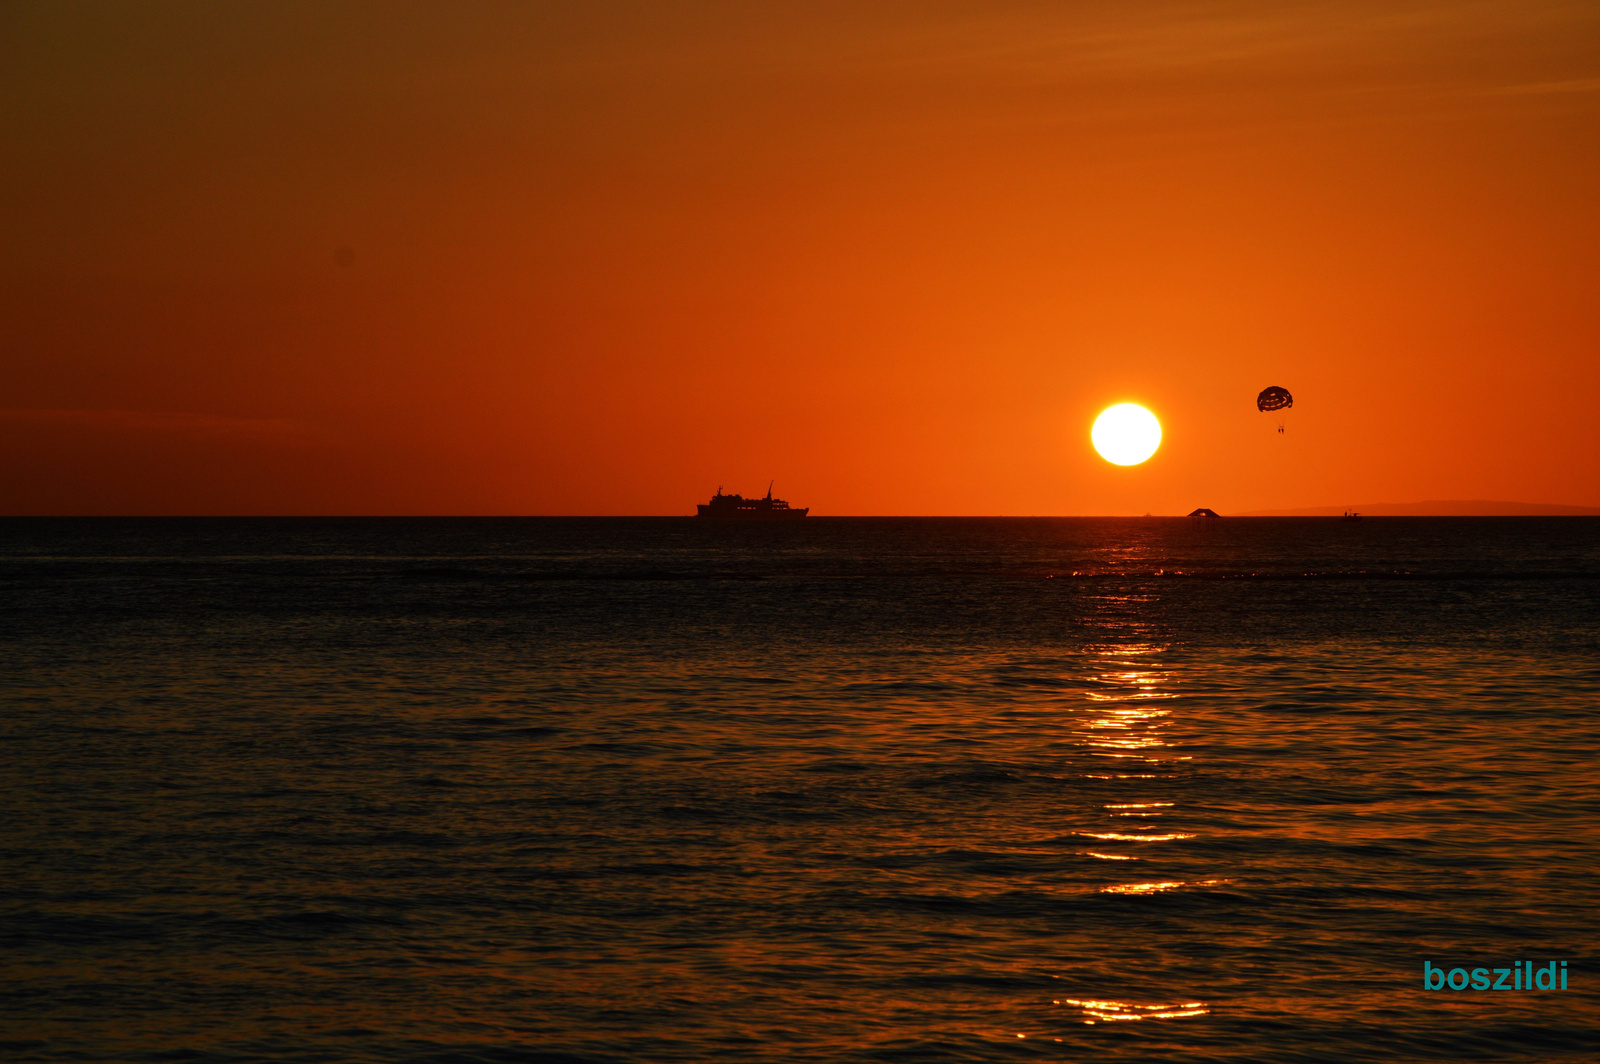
(1126, 434)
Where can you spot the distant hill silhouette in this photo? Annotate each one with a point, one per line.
(1437, 508)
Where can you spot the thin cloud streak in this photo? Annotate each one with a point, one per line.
(159, 421)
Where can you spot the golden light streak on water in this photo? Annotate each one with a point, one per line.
(1115, 1011)
(1152, 888)
(1141, 888)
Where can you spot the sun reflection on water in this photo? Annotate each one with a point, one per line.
(1152, 888)
(1126, 1010)
(1130, 708)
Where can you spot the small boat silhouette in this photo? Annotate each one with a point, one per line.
(739, 508)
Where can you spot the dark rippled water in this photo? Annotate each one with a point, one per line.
(921, 790)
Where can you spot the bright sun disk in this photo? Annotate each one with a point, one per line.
(1126, 434)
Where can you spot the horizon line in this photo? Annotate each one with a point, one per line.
(1322, 513)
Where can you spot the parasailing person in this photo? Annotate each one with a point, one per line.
(1274, 399)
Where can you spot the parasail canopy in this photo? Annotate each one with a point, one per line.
(1274, 398)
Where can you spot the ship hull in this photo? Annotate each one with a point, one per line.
(731, 513)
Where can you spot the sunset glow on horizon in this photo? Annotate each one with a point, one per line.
(496, 258)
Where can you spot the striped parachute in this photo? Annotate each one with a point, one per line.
(1274, 398)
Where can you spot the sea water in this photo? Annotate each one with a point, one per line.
(824, 790)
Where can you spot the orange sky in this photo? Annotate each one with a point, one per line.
(607, 257)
